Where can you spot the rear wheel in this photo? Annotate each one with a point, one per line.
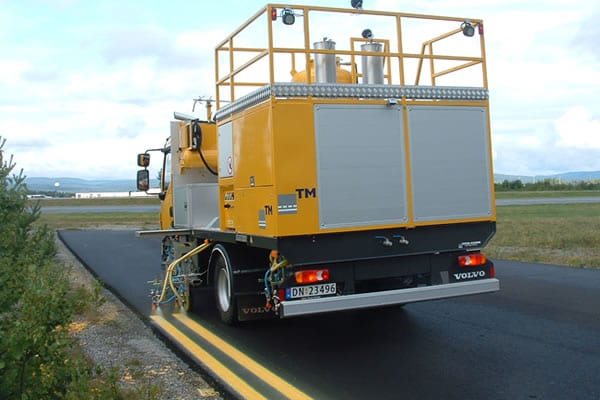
(226, 304)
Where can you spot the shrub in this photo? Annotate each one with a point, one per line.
(35, 301)
(38, 357)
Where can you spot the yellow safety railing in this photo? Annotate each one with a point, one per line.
(234, 59)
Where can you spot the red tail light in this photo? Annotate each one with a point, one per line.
(273, 14)
(312, 275)
(472, 260)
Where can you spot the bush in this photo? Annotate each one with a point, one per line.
(35, 301)
(37, 305)
(38, 357)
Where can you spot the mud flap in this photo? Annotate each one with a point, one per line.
(253, 307)
(471, 274)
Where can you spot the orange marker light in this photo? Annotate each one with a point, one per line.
(312, 275)
(472, 260)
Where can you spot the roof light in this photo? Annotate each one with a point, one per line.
(312, 275)
(472, 260)
(356, 4)
(467, 29)
(288, 17)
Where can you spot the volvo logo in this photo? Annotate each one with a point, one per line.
(469, 275)
(255, 310)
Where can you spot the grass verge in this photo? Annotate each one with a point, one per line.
(135, 201)
(516, 194)
(99, 220)
(563, 234)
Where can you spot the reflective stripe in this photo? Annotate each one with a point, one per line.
(335, 90)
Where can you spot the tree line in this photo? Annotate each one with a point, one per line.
(546, 185)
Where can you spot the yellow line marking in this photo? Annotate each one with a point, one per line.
(261, 372)
(239, 385)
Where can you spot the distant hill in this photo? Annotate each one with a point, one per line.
(75, 185)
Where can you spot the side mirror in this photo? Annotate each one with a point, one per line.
(143, 160)
(143, 180)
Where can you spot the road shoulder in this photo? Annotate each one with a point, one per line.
(113, 336)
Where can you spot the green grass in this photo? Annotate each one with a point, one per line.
(546, 194)
(135, 201)
(564, 234)
(100, 220)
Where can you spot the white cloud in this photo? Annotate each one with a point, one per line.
(577, 128)
(78, 81)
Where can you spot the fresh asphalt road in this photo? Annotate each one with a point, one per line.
(538, 338)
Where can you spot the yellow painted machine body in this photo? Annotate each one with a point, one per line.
(188, 154)
(190, 160)
(342, 75)
(309, 157)
(166, 210)
(275, 155)
(373, 163)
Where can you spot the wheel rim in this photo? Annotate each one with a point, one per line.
(224, 289)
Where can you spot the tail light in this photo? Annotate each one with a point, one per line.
(312, 275)
(472, 260)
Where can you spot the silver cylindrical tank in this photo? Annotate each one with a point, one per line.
(372, 66)
(325, 68)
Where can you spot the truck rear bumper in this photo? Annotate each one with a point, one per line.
(386, 298)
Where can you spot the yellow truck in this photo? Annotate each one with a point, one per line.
(346, 165)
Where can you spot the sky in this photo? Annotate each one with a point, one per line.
(86, 85)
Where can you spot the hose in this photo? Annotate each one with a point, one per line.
(197, 131)
(169, 273)
(275, 266)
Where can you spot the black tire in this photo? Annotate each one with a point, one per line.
(223, 285)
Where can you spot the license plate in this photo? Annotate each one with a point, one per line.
(297, 292)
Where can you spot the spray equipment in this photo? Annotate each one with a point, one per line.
(208, 101)
(372, 66)
(325, 64)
